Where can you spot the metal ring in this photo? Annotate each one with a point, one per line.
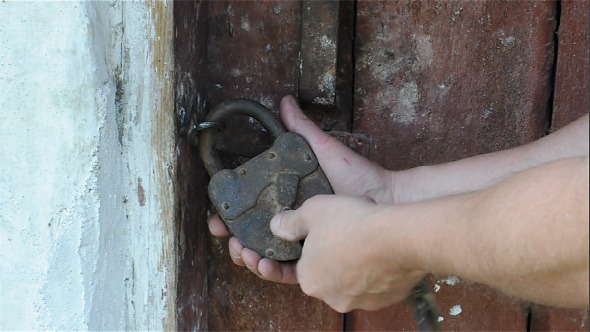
(207, 125)
(209, 156)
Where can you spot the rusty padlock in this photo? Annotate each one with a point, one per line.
(280, 178)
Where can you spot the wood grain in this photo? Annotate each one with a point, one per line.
(440, 81)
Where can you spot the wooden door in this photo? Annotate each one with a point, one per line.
(227, 50)
(418, 82)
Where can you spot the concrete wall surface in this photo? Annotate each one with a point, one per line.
(87, 162)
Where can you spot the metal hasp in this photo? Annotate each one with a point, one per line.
(424, 306)
(281, 178)
(326, 66)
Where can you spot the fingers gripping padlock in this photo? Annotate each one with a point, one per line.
(280, 178)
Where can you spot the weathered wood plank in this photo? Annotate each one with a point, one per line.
(460, 303)
(319, 40)
(436, 81)
(570, 102)
(440, 81)
(571, 82)
(552, 319)
(326, 73)
(253, 53)
(253, 50)
(190, 89)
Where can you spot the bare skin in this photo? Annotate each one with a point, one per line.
(516, 220)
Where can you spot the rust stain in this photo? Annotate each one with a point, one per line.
(161, 55)
(140, 193)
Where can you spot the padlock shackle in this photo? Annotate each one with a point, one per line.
(226, 109)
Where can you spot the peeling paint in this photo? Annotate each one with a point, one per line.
(451, 280)
(405, 107)
(326, 82)
(508, 41)
(424, 52)
(327, 43)
(235, 72)
(245, 24)
(140, 193)
(267, 102)
(385, 63)
(455, 310)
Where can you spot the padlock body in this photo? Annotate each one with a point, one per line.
(280, 178)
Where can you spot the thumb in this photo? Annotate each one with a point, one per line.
(296, 121)
(287, 225)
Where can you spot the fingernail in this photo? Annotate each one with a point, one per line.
(275, 223)
(250, 267)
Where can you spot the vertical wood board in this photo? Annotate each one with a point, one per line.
(437, 81)
(571, 101)
(571, 80)
(553, 319)
(440, 81)
(253, 52)
(190, 90)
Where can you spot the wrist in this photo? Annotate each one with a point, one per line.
(452, 241)
(385, 195)
(429, 182)
(432, 235)
(396, 234)
(389, 253)
(407, 186)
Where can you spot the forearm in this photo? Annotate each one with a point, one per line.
(482, 171)
(527, 236)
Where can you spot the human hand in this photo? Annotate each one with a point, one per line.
(348, 173)
(349, 259)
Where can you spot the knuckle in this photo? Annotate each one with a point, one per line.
(238, 262)
(314, 203)
(339, 308)
(343, 306)
(309, 288)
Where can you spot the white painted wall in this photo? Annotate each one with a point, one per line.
(87, 161)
